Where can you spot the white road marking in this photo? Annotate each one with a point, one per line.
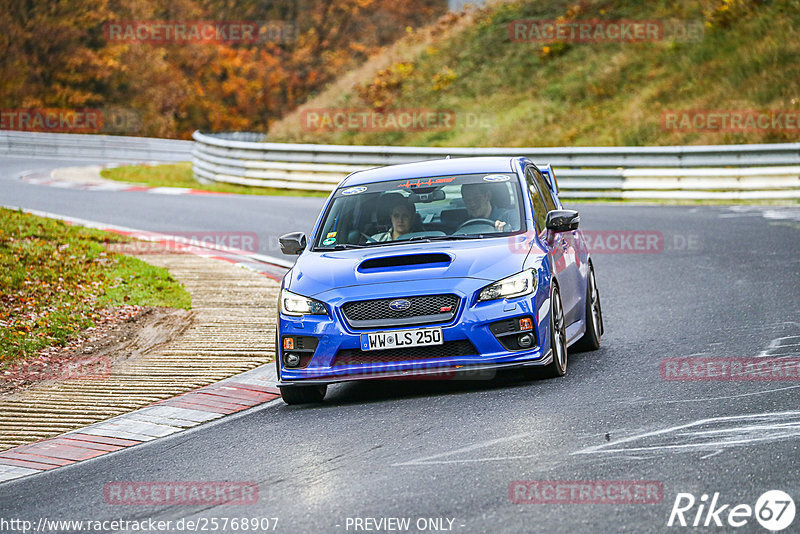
(10, 472)
(776, 344)
(779, 344)
(480, 445)
(738, 430)
(469, 460)
(706, 399)
(788, 213)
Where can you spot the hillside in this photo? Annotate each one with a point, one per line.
(718, 56)
(142, 67)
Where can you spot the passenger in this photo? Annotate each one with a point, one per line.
(403, 214)
(478, 201)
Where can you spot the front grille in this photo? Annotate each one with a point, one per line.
(425, 309)
(448, 349)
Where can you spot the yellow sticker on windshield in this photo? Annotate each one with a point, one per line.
(331, 234)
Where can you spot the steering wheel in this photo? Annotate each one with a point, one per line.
(358, 237)
(367, 238)
(475, 222)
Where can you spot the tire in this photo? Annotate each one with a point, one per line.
(594, 316)
(298, 394)
(303, 394)
(558, 339)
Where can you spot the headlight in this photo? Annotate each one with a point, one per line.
(520, 284)
(296, 305)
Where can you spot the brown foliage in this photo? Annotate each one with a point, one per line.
(56, 55)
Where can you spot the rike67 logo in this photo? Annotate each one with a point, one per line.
(774, 510)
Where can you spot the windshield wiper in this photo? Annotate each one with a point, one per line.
(415, 239)
(427, 238)
(342, 246)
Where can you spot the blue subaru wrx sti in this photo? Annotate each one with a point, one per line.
(439, 267)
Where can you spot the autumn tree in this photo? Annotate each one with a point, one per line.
(57, 54)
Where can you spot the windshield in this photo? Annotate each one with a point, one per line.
(467, 206)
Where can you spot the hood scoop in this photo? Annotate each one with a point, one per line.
(407, 261)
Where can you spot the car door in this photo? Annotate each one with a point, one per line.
(564, 256)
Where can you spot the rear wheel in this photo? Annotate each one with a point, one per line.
(303, 394)
(594, 316)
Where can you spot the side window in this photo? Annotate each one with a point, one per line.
(545, 190)
(539, 208)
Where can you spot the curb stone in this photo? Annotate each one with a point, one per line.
(161, 419)
(232, 332)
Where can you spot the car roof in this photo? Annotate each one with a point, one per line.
(437, 167)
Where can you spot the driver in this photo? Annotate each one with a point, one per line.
(477, 200)
(402, 215)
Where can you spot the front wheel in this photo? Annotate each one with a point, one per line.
(594, 316)
(558, 339)
(303, 394)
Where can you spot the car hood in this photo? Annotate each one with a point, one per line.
(487, 259)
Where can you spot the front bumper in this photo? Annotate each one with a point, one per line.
(445, 372)
(471, 323)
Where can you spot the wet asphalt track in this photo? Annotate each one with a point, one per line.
(725, 284)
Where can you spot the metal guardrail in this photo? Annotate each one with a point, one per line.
(90, 146)
(683, 172)
(678, 172)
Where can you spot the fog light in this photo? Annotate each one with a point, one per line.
(292, 359)
(525, 340)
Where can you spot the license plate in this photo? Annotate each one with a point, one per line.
(398, 339)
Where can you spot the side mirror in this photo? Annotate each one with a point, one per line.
(563, 220)
(294, 243)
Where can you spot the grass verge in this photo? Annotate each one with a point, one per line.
(54, 278)
(715, 55)
(180, 175)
